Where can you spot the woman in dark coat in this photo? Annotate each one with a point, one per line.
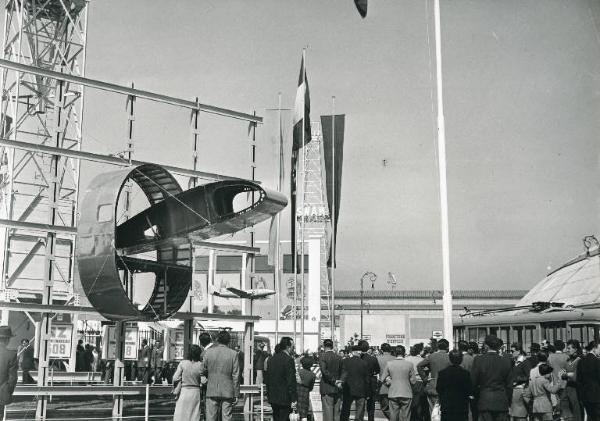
(455, 389)
(305, 386)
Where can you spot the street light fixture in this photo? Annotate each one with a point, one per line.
(372, 277)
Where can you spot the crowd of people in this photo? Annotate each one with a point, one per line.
(549, 381)
(496, 382)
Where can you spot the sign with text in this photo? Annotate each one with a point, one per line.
(437, 334)
(394, 340)
(177, 345)
(131, 343)
(60, 341)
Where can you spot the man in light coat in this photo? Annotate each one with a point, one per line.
(399, 375)
(220, 366)
(383, 390)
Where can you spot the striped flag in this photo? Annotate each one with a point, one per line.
(301, 137)
(302, 110)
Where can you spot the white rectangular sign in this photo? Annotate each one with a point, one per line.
(395, 339)
(131, 343)
(60, 341)
(177, 345)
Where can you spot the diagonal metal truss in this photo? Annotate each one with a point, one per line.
(40, 188)
(316, 213)
(36, 187)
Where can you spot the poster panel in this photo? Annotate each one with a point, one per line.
(176, 344)
(61, 337)
(131, 343)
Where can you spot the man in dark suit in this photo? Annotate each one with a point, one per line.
(454, 389)
(491, 377)
(26, 360)
(355, 380)
(331, 372)
(588, 381)
(9, 366)
(281, 381)
(373, 389)
(221, 368)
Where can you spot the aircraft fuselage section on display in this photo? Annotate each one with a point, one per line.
(107, 249)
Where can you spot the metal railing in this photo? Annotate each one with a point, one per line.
(35, 391)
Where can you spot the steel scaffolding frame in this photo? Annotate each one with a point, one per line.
(316, 212)
(42, 80)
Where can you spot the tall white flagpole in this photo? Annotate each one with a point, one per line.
(277, 228)
(333, 221)
(302, 221)
(447, 297)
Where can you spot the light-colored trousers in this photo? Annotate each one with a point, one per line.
(219, 409)
(331, 407)
(400, 409)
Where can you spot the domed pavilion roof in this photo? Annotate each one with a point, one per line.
(575, 283)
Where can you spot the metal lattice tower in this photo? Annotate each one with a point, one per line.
(40, 188)
(316, 211)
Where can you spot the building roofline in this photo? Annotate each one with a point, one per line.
(432, 294)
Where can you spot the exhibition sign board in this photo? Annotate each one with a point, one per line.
(177, 344)
(61, 337)
(395, 340)
(131, 343)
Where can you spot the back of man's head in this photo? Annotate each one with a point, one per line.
(559, 345)
(400, 350)
(205, 339)
(443, 345)
(534, 348)
(364, 345)
(591, 346)
(455, 357)
(542, 357)
(328, 344)
(285, 343)
(463, 346)
(492, 342)
(224, 337)
(385, 347)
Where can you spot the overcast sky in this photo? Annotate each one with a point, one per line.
(522, 102)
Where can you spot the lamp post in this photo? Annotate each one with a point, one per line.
(372, 277)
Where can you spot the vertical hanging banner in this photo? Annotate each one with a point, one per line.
(361, 6)
(334, 157)
(301, 127)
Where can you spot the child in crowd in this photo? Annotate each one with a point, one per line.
(539, 391)
(306, 382)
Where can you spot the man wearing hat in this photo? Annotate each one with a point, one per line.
(8, 368)
(373, 366)
(355, 380)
